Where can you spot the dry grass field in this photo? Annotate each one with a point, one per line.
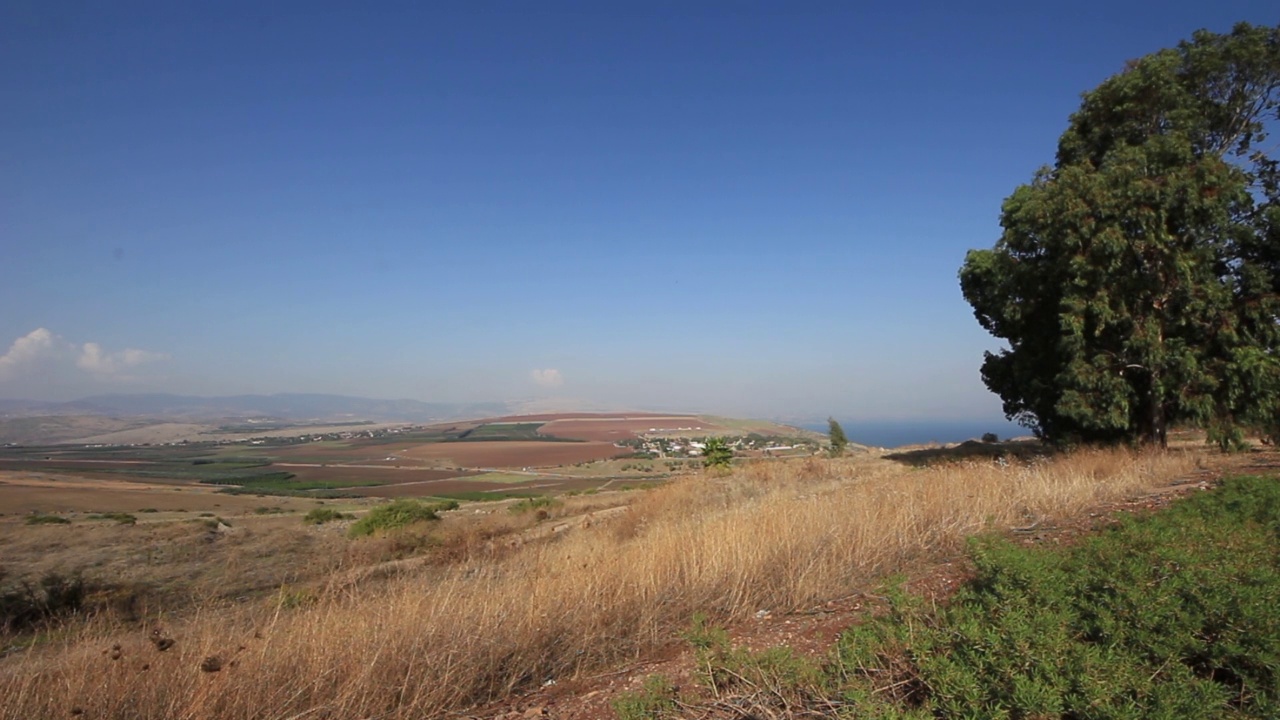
(510, 602)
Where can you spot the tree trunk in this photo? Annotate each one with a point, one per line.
(1157, 432)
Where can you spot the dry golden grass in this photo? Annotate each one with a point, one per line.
(778, 535)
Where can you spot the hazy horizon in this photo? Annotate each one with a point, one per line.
(746, 210)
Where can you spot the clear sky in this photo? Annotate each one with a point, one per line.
(744, 207)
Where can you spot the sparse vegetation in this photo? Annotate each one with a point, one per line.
(1171, 615)
(43, 519)
(724, 544)
(652, 702)
(24, 605)
(540, 506)
(120, 517)
(398, 514)
(320, 516)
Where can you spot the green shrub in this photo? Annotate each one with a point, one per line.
(1171, 615)
(320, 516)
(41, 519)
(398, 514)
(717, 453)
(654, 700)
(120, 517)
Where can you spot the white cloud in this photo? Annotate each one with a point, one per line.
(93, 359)
(550, 377)
(36, 348)
(43, 356)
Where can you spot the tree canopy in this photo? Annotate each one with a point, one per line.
(1136, 280)
(838, 439)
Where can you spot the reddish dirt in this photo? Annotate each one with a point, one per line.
(514, 453)
(814, 632)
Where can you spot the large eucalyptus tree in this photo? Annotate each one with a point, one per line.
(1136, 281)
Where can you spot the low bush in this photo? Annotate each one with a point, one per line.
(1173, 614)
(25, 605)
(398, 514)
(40, 519)
(655, 699)
(120, 517)
(320, 516)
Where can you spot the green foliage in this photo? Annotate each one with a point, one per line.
(398, 514)
(42, 519)
(1136, 281)
(503, 432)
(791, 680)
(838, 440)
(717, 453)
(654, 701)
(281, 483)
(122, 518)
(320, 516)
(705, 637)
(1166, 616)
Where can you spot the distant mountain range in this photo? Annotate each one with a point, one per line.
(285, 406)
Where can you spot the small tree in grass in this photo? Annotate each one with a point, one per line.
(838, 439)
(717, 454)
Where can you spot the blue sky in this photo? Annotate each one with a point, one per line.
(749, 208)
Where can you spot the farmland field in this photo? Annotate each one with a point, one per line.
(480, 459)
(39, 492)
(618, 428)
(513, 454)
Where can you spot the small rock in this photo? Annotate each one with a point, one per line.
(211, 664)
